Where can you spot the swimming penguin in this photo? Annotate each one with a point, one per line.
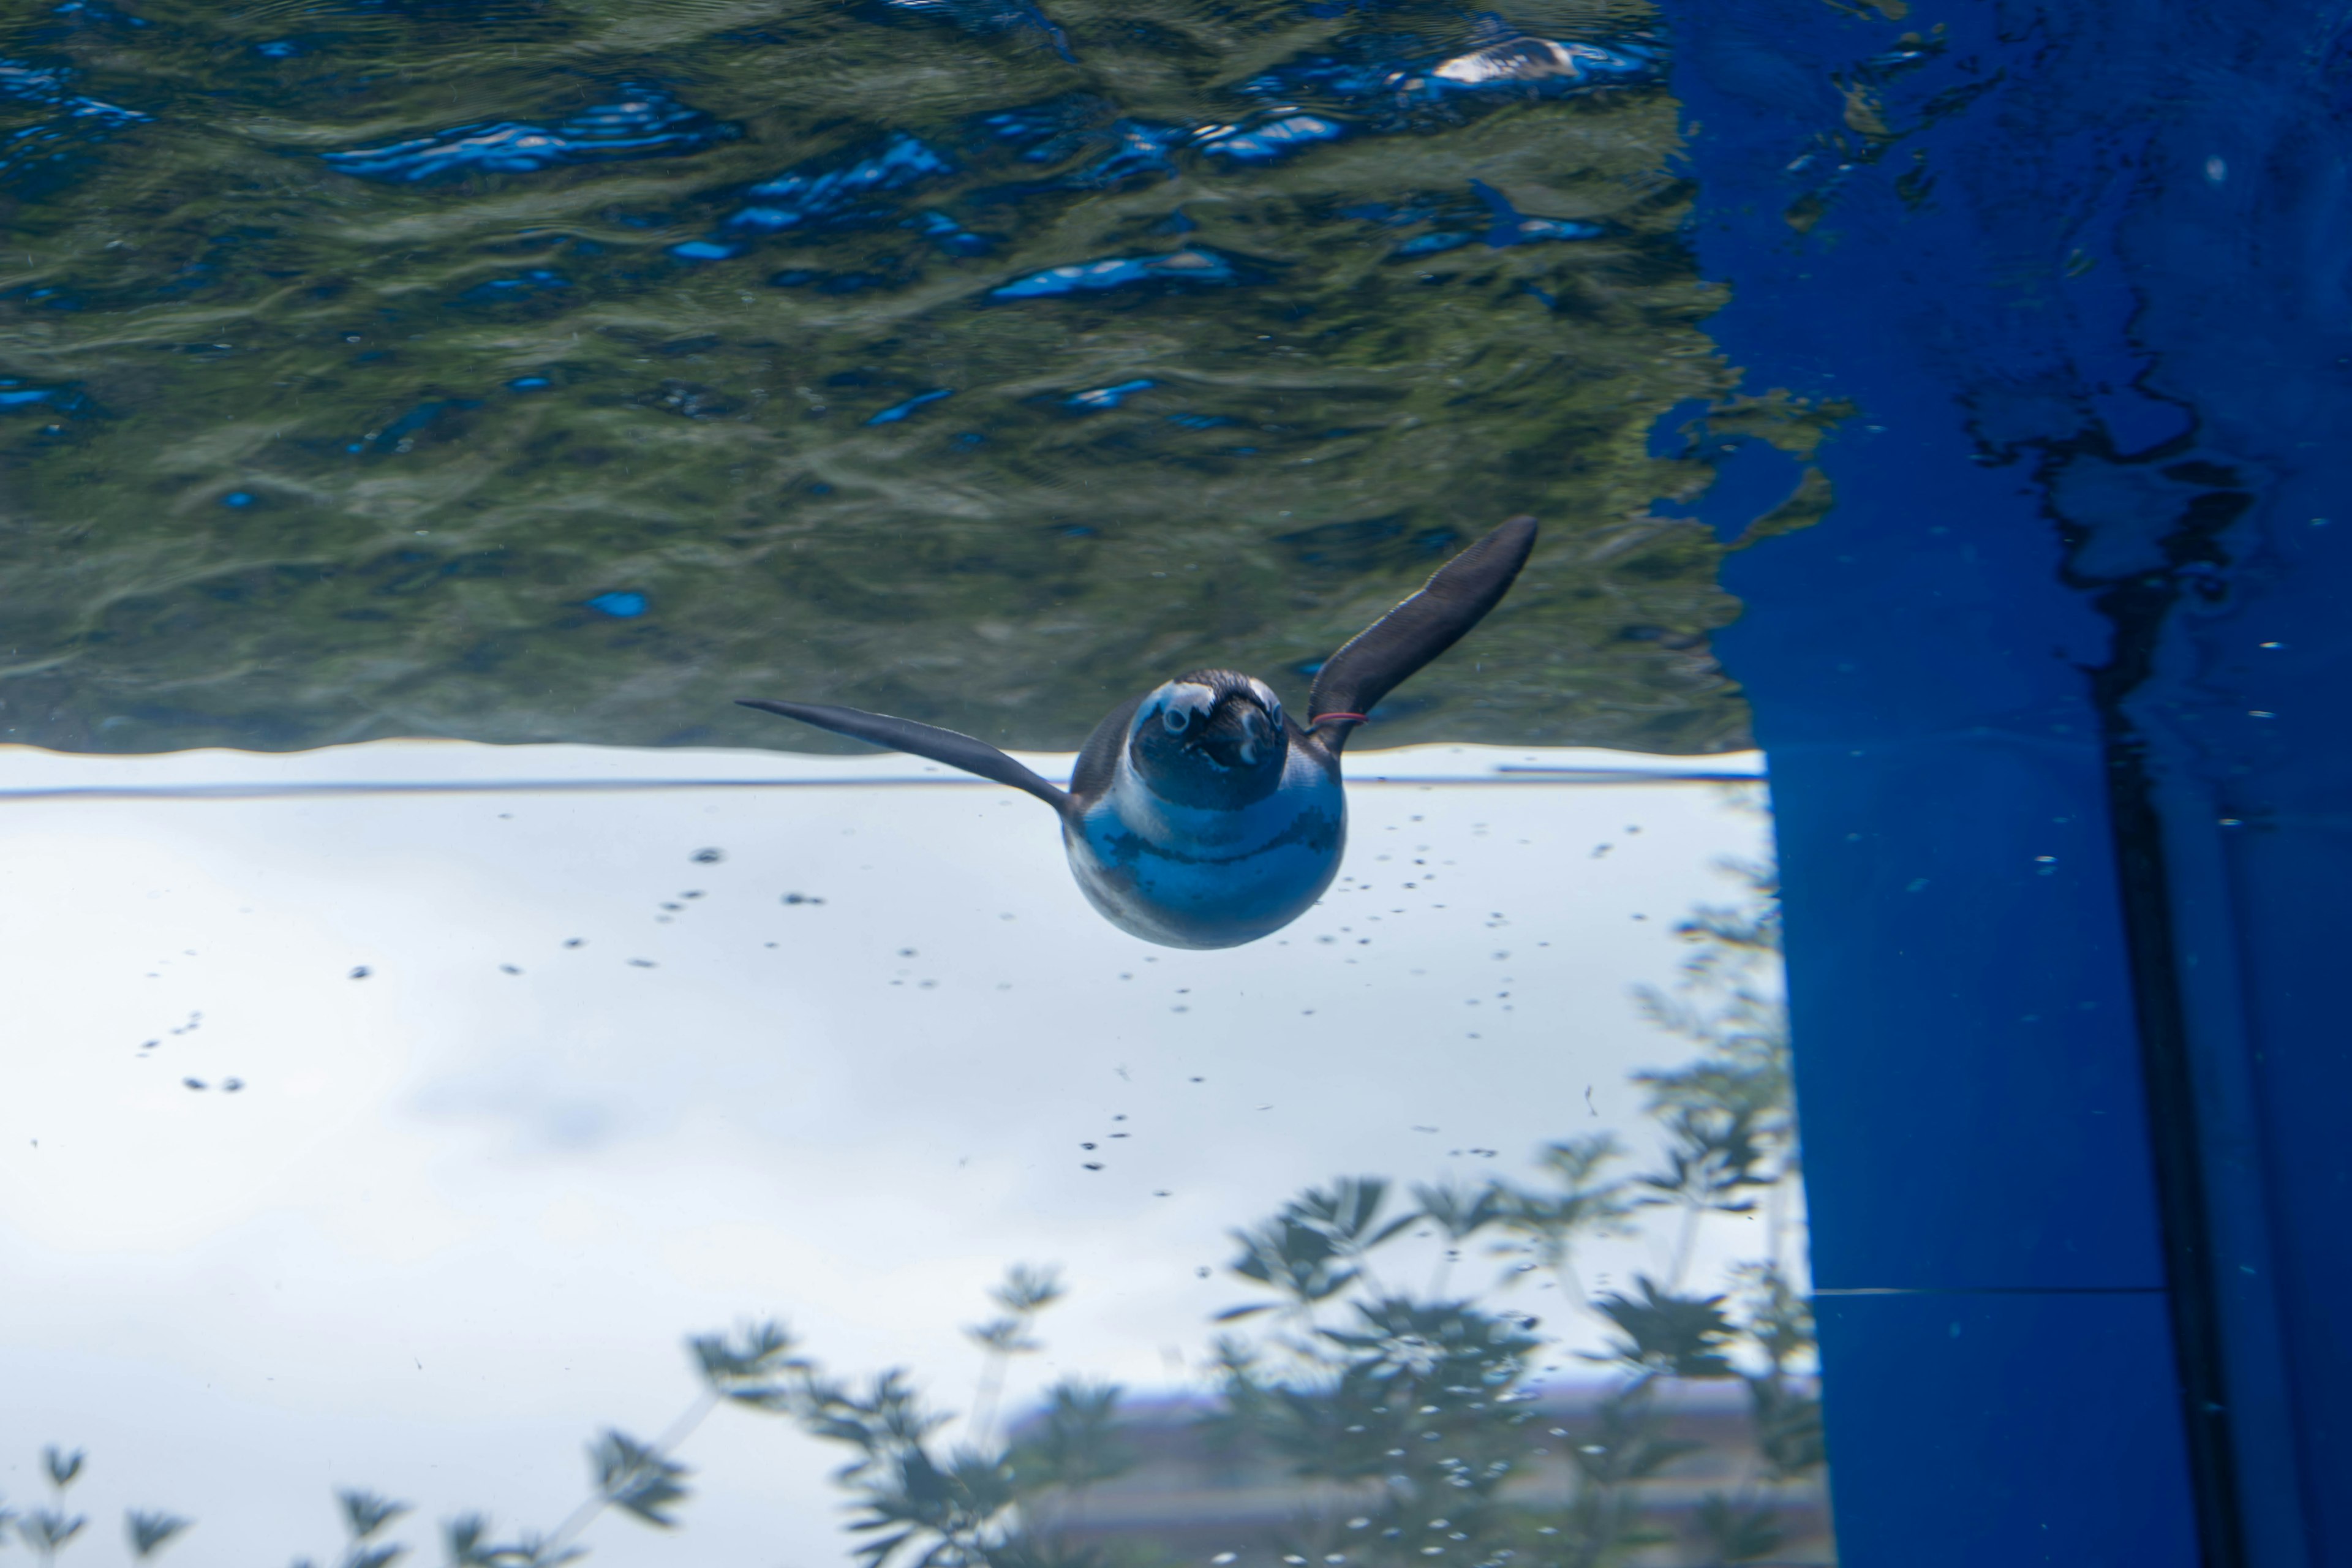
(1199, 814)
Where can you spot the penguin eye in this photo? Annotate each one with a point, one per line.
(1175, 719)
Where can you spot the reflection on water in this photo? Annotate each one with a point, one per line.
(533, 1078)
(564, 372)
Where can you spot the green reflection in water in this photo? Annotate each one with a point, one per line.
(281, 492)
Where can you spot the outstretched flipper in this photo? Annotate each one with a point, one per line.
(1378, 659)
(922, 739)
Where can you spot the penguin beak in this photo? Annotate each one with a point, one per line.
(1257, 735)
(1241, 734)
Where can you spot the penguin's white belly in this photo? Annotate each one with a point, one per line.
(1185, 877)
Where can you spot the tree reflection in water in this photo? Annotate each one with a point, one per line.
(1359, 1417)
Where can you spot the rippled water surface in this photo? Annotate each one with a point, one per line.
(563, 371)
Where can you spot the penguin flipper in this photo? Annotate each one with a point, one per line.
(921, 740)
(1457, 597)
(1097, 765)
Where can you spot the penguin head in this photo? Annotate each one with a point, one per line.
(1213, 739)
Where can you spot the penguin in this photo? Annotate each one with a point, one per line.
(1200, 815)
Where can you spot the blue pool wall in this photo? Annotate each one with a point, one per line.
(2053, 701)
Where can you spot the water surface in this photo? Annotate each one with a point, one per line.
(554, 371)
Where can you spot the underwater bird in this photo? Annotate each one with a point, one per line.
(1200, 815)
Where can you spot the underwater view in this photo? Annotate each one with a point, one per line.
(557, 554)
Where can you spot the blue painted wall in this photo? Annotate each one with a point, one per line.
(2056, 705)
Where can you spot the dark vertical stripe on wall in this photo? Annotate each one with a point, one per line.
(2140, 607)
(2175, 1146)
